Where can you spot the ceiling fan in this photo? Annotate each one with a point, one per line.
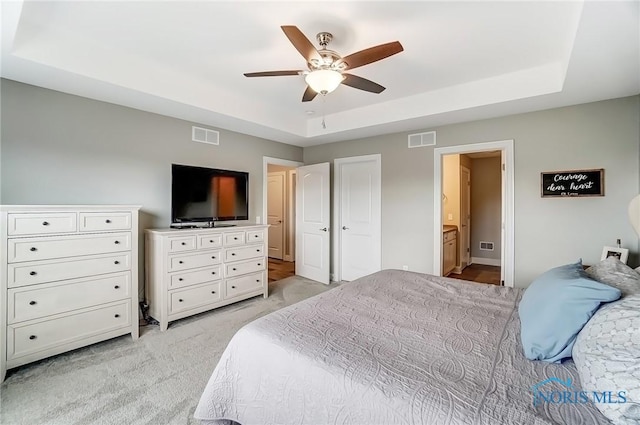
(327, 68)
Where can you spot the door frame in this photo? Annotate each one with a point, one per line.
(337, 234)
(508, 234)
(266, 160)
(467, 190)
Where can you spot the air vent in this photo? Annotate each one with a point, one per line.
(422, 139)
(204, 135)
(486, 246)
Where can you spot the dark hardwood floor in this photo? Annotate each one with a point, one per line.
(479, 273)
(279, 269)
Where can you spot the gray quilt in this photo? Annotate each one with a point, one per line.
(394, 347)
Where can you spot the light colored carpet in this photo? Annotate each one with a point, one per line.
(157, 379)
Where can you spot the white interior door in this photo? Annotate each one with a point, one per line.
(312, 222)
(465, 216)
(359, 195)
(275, 213)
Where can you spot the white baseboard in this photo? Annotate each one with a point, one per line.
(486, 261)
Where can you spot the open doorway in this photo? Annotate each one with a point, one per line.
(279, 212)
(473, 214)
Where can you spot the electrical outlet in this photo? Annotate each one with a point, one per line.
(405, 267)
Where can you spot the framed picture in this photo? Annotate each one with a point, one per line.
(620, 253)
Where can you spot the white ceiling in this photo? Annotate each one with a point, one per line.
(461, 60)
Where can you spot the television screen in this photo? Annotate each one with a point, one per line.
(207, 194)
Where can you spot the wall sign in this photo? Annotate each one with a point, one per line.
(573, 183)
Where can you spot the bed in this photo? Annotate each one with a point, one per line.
(395, 347)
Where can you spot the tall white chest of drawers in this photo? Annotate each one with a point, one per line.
(189, 271)
(69, 278)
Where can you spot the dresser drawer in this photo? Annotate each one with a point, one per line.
(31, 249)
(192, 261)
(179, 280)
(40, 223)
(255, 236)
(31, 337)
(186, 299)
(100, 221)
(237, 269)
(243, 253)
(210, 241)
(242, 285)
(235, 238)
(33, 272)
(449, 236)
(32, 302)
(187, 243)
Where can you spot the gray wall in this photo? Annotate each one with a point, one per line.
(486, 206)
(548, 232)
(64, 149)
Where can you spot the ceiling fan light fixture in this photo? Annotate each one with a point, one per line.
(323, 81)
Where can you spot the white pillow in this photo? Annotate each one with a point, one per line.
(607, 356)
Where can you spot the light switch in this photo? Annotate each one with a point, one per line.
(450, 217)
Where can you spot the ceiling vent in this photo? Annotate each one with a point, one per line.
(204, 135)
(420, 140)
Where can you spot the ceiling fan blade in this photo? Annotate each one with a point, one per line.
(271, 73)
(372, 54)
(309, 94)
(361, 83)
(301, 43)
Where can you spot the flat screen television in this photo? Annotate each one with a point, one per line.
(201, 194)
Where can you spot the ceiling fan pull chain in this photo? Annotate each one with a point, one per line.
(324, 97)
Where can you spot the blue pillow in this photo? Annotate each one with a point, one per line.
(555, 307)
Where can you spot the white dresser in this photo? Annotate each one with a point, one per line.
(189, 271)
(69, 278)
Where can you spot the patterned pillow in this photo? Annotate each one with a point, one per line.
(617, 274)
(607, 356)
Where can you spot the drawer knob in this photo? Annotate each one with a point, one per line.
(233, 253)
(210, 241)
(180, 262)
(116, 315)
(213, 292)
(33, 248)
(107, 221)
(255, 236)
(234, 269)
(213, 272)
(259, 264)
(116, 287)
(258, 280)
(33, 273)
(235, 239)
(233, 287)
(183, 243)
(32, 337)
(180, 300)
(213, 256)
(117, 242)
(180, 279)
(257, 250)
(116, 262)
(45, 223)
(32, 303)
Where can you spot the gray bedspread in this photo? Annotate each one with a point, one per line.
(394, 347)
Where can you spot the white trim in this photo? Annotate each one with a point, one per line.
(486, 261)
(266, 160)
(506, 147)
(337, 235)
(291, 214)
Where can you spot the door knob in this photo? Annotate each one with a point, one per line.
(324, 229)
(344, 227)
(279, 221)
